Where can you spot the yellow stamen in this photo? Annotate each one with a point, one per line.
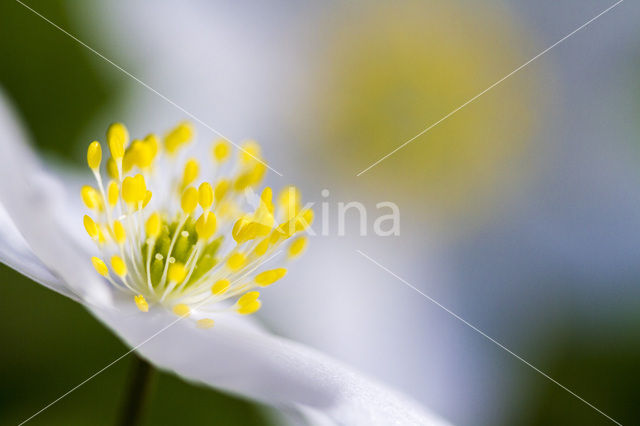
(112, 169)
(91, 198)
(118, 232)
(266, 278)
(181, 310)
(90, 226)
(220, 287)
(249, 308)
(177, 137)
(221, 150)
(177, 272)
(222, 188)
(112, 193)
(205, 323)
(289, 201)
(100, 266)
(297, 247)
(117, 138)
(250, 152)
(189, 200)
(236, 261)
(205, 195)
(206, 226)
(141, 303)
(118, 266)
(94, 155)
(191, 172)
(153, 225)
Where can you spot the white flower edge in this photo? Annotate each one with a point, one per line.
(235, 356)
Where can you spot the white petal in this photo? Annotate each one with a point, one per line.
(15, 253)
(236, 357)
(33, 201)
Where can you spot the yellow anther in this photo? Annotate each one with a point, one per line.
(117, 138)
(248, 297)
(142, 154)
(147, 198)
(129, 190)
(94, 155)
(130, 158)
(205, 323)
(249, 308)
(118, 232)
(266, 278)
(205, 195)
(250, 152)
(266, 196)
(289, 200)
(237, 231)
(261, 248)
(222, 188)
(236, 261)
(101, 238)
(178, 136)
(141, 187)
(112, 193)
(221, 150)
(206, 226)
(152, 143)
(118, 266)
(112, 168)
(220, 287)
(141, 303)
(191, 171)
(304, 220)
(100, 266)
(91, 227)
(153, 225)
(189, 200)
(177, 272)
(297, 247)
(91, 198)
(251, 177)
(181, 310)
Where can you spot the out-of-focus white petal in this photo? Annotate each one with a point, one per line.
(236, 357)
(33, 202)
(15, 253)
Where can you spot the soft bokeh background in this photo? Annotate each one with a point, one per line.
(520, 213)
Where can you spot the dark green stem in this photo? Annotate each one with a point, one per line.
(138, 392)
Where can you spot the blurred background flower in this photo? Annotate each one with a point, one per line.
(519, 212)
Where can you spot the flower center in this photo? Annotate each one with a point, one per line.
(197, 243)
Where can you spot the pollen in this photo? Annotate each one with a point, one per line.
(266, 278)
(220, 287)
(205, 323)
(181, 310)
(100, 266)
(141, 303)
(191, 238)
(221, 150)
(94, 155)
(118, 265)
(91, 198)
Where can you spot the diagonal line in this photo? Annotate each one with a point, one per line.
(146, 85)
(171, 324)
(491, 87)
(476, 329)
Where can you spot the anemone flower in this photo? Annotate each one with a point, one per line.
(172, 263)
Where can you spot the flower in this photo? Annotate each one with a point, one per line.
(41, 238)
(191, 247)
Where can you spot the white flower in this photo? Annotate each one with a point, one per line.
(42, 238)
